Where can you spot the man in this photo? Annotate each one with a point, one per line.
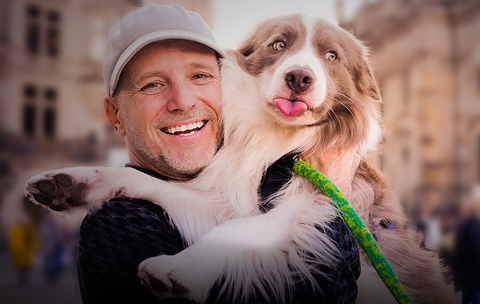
(163, 82)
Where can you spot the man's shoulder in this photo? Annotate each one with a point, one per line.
(126, 229)
(125, 221)
(125, 207)
(124, 211)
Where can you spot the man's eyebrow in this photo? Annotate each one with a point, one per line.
(201, 65)
(145, 76)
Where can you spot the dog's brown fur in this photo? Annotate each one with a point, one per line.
(345, 123)
(419, 270)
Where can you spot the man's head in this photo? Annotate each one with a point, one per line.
(163, 81)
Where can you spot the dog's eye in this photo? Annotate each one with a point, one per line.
(331, 56)
(279, 45)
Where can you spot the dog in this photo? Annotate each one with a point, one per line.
(298, 84)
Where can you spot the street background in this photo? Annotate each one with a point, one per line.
(425, 54)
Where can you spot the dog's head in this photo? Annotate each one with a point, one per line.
(311, 73)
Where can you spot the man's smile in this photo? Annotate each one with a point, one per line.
(185, 130)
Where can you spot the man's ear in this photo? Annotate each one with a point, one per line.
(113, 114)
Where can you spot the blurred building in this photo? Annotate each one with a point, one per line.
(51, 86)
(426, 57)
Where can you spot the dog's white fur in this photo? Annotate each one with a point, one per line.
(217, 212)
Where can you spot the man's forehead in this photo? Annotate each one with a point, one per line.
(189, 49)
(173, 45)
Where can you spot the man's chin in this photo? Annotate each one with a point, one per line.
(188, 165)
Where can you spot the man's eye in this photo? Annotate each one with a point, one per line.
(152, 85)
(199, 76)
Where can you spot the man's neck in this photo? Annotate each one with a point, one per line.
(157, 168)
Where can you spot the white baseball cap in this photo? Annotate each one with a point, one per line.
(148, 24)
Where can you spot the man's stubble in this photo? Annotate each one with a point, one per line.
(164, 159)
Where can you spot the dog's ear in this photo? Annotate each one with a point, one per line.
(239, 58)
(365, 80)
(248, 46)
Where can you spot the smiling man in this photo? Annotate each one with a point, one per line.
(167, 104)
(163, 82)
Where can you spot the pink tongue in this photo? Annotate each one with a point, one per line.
(290, 108)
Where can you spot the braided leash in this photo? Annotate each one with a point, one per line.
(358, 229)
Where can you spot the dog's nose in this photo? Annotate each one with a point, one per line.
(299, 79)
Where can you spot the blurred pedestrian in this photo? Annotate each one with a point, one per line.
(52, 247)
(429, 231)
(466, 255)
(23, 247)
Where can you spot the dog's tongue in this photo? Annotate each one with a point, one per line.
(290, 108)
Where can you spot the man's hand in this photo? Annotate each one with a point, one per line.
(339, 165)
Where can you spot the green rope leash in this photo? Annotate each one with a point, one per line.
(358, 229)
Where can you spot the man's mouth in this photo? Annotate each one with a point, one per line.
(185, 130)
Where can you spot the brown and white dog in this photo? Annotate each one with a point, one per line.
(298, 84)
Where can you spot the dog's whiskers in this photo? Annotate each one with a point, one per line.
(346, 96)
(354, 119)
(328, 112)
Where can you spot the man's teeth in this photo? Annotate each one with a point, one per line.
(192, 126)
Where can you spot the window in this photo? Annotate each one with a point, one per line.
(29, 114)
(53, 33)
(39, 111)
(50, 95)
(30, 92)
(49, 113)
(33, 11)
(49, 122)
(42, 34)
(53, 42)
(29, 109)
(32, 36)
(53, 16)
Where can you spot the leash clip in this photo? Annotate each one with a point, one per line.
(297, 157)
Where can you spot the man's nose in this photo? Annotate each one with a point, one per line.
(182, 99)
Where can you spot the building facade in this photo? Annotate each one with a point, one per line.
(426, 57)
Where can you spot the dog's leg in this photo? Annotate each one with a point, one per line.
(246, 252)
(83, 188)
(71, 189)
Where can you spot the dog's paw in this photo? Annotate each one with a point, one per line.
(172, 277)
(56, 191)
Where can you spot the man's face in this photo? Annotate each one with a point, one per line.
(169, 105)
